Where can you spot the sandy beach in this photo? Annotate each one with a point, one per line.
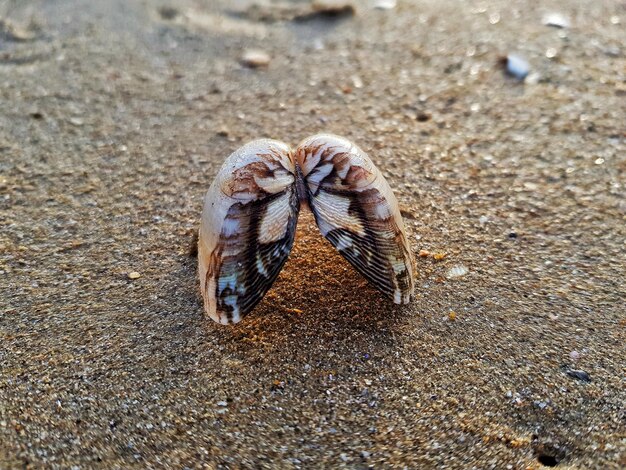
(116, 115)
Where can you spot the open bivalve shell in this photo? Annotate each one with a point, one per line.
(251, 209)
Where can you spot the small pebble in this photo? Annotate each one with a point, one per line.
(516, 66)
(556, 20)
(223, 131)
(456, 271)
(14, 32)
(255, 58)
(385, 4)
(533, 78)
(333, 7)
(168, 13)
(578, 374)
(134, 275)
(574, 355)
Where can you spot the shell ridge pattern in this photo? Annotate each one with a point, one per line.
(250, 215)
(242, 265)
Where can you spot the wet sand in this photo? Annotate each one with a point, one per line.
(114, 118)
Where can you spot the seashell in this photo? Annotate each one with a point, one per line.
(357, 212)
(250, 214)
(247, 228)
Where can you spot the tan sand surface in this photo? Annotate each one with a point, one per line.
(114, 117)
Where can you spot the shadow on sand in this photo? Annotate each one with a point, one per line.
(318, 303)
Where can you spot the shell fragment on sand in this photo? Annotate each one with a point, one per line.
(254, 58)
(456, 271)
(556, 20)
(385, 4)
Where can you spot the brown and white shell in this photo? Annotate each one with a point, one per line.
(247, 229)
(250, 214)
(357, 212)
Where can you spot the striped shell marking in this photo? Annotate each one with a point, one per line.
(247, 228)
(357, 212)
